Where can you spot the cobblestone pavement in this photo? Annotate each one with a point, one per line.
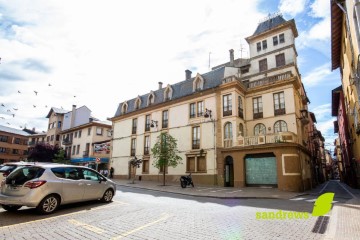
(143, 214)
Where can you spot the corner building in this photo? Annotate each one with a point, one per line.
(245, 123)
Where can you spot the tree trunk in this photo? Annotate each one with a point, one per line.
(164, 174)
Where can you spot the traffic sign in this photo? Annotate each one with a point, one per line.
(98, 160)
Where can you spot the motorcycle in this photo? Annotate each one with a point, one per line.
(186, 181)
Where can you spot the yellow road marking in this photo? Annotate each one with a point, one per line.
(87, 226)
(165, 216)
(64, 215)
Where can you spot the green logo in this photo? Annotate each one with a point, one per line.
(323, 204)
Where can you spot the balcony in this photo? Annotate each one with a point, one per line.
(32, 143)
(228, 143)
(281, 137)
(270, 80)
(67, 141)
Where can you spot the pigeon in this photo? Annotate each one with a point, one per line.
(8, 123)
(2, 105)
(20, 126)
(49, 85)
(36, 92)
(74, 96)
(2, 117)
(46, 106)
(13, 115)
(15, 109)
(34, 106)
(8, 110)
(19, 91)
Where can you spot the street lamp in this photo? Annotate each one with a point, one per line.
(303, 116)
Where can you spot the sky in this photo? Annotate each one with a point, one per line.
(99, 53)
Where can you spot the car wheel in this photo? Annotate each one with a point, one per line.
(108, 195)
(183, 184)
(11, 208)
(49, 204)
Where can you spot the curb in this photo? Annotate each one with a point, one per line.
(195, 195)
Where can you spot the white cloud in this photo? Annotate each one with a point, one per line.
(320, 31)
(317, 75)
(105, 52)
(322, 112)
(291, 7)
(320, 8)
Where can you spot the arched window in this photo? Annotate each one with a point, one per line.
(240, 108)
(228, 134)
(137, 103)
(197, 85)
(151, 99)
(124, 108)
(228, 130)
(259, 129)
(167, 94)
(241, 129)
(280, 126)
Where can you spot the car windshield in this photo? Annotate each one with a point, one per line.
(24, 174)
(7, 168)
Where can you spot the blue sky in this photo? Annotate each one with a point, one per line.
(120, 50)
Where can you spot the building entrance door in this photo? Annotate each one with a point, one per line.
(229, 172)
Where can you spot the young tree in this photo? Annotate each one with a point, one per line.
(165, 153)
(135, 163)
(60, 157)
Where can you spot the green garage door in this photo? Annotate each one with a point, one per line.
(260, 170)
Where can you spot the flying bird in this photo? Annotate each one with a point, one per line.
(74, 96)
(8, 123)
(13, 115)
(49, 85)
(34, 106)
(8, 110)
(19, 91)
(46, 106)
(2, 117)
(61, 107)
(2, 105)
(20, 126)
(36, 92)
(15, 109)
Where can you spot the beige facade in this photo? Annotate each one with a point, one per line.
(56, 120)
(241, 124)
(345, 23)
(13, 145)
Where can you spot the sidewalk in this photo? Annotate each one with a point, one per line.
(209, 191)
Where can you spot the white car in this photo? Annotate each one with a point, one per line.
(7, 168)
(47, 186)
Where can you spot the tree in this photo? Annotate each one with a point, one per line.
(135, 163)
(43, 153)
(59, 157)
(165, 153)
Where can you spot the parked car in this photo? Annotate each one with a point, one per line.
(7, 168)
(47, 186)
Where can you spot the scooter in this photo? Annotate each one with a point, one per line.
(186, 181)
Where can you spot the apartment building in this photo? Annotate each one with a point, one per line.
(242, 124)
(13, 144)
(345, 55)
(56, 119)
(84, 138)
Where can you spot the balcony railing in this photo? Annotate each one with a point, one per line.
(270, 79)
(67, 141)
(228, 143)
(280, 137)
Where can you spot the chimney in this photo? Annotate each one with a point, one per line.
(72, 123)
(160, 85)
(231, 57)
(187, 74)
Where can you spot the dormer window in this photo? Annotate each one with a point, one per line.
(137, 103)
(168, 93)
(151, 98)
(198, 83)
(124, 108)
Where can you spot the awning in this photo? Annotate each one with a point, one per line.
(88, 159)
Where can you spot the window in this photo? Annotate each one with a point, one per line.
(165, 119)
(259, 129)
(198, 85)
(49, 126)
(75, 134)
(133, 147)
(89, 131)
(196, 164)
(280, 60)
(134, 126)
(4, 138)
(281, 38)
(146, 145)
(145, 166)
(52, 138)
(200, 109)
(78, 149)
(240, 108)
(280, 126)
(48, 138)
(263, 65)
(15, 151)
(167, 94)
(137, 104)
(279, 103)
(241, 129)
(147, 123)
(53, 125)
(2, 150)
(79, 133)
(99, 131)
(196, 137)
(192, 110)
(124, 107)
(228, 134)
(59, 124)
(57, 137)
(258, 46)
(73, 151)
(17, 141)
(275, 40)
(227, 105)
(264, 44)
(257, 108)
(150, 99)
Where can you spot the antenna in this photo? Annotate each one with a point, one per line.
(241, 49)
(209, 60)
